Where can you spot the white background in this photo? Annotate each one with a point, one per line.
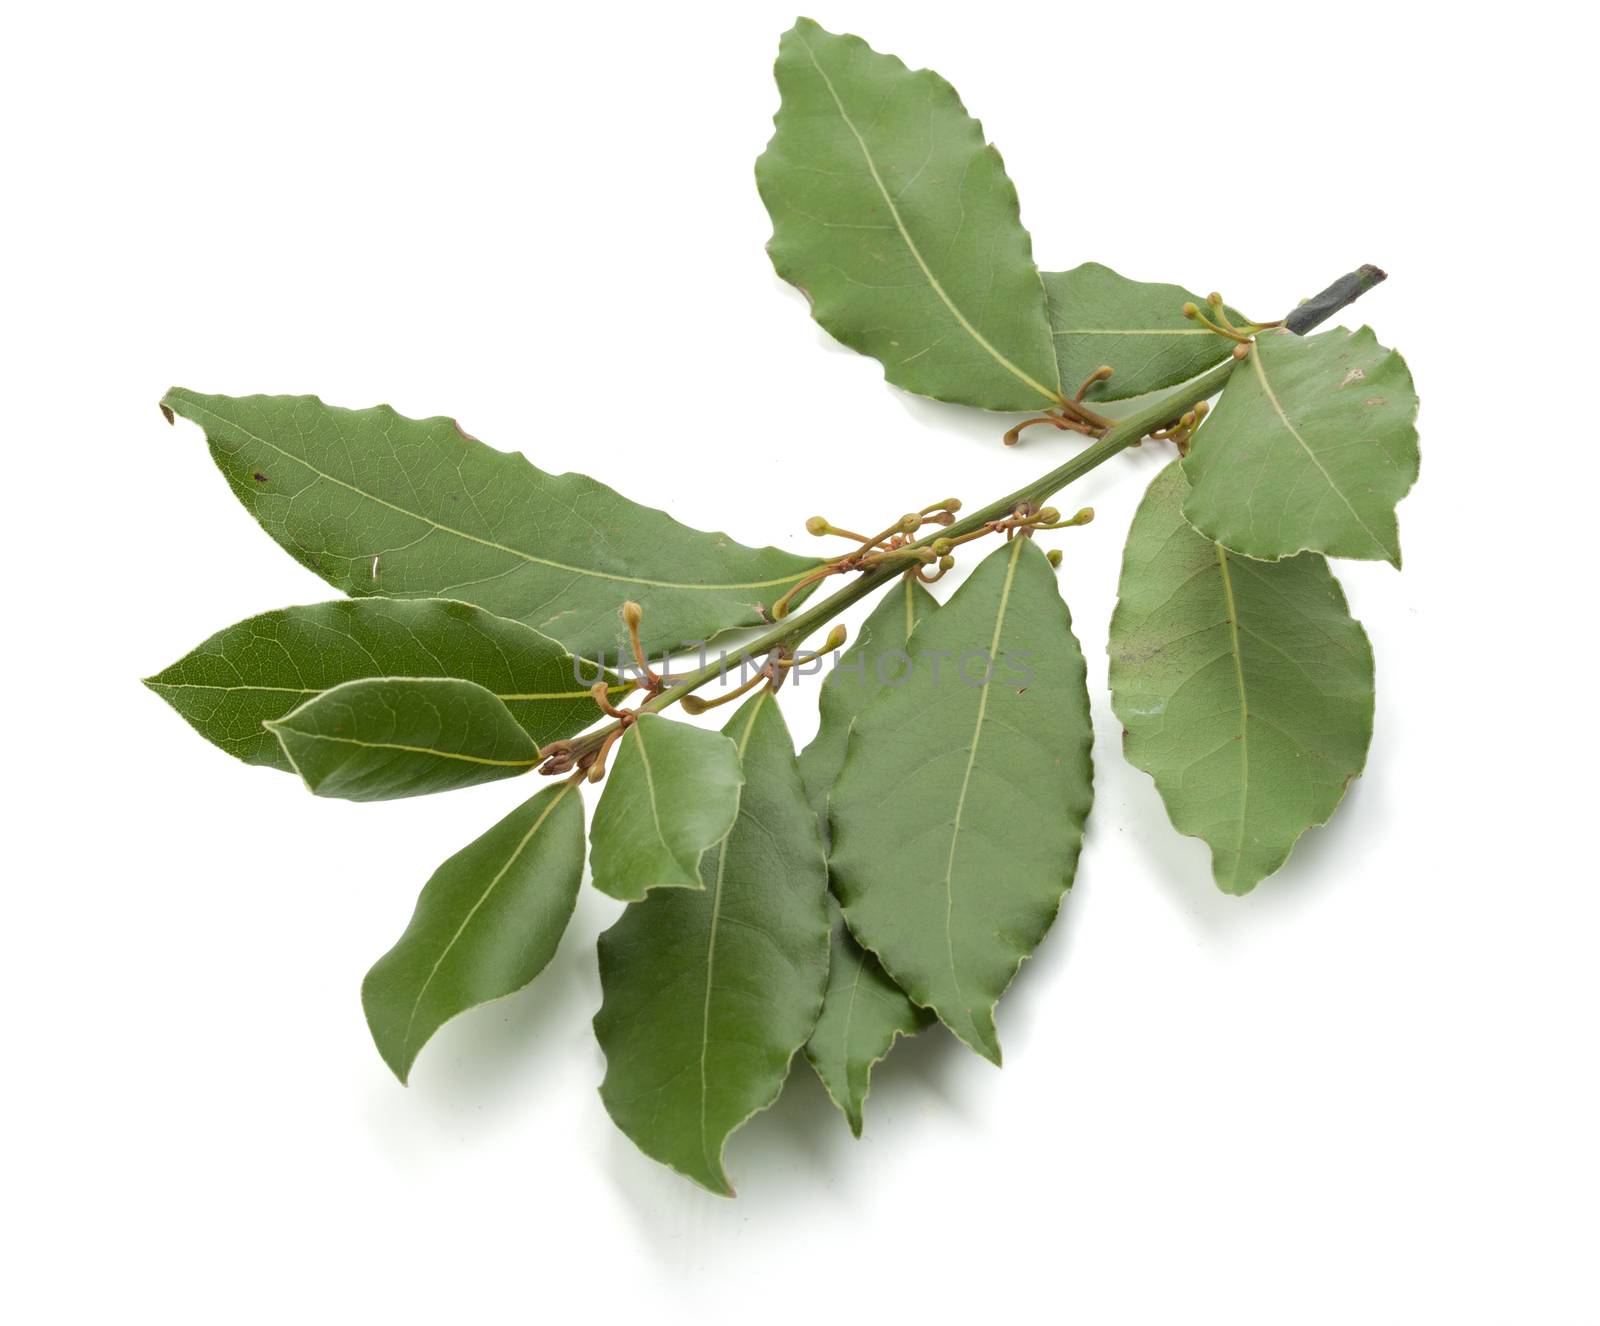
(1366, 1092)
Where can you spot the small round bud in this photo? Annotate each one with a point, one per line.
(951, 504)
(836, 639)
(910, 523)
(693, 705)
(946, 562)
(1054, 556)
(1083, 517)
(817, 525)
(1049, 515)
(1202, 409)
(1214, 298)
(1240, 350)
(633, 614)
(1191, 310)
(941, 547)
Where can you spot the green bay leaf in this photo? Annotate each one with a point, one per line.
(487, 922)
(1245, 687)
(897, 220)
(709, 993)
(863, 1014)
(958, 816)
(671, 794)
(376, 503)
(1099, 317)
(863, 1011)
(1309, 450)
(260, 669)
(388, 737)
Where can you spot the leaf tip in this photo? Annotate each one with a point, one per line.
(169, 402)
(985, 1044)
(399, 1064)
(1237, 885)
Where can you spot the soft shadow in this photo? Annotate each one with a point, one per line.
(929, 1072)
(1181, 866)
(487, 1059)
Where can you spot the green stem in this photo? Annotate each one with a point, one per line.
(1123, 433)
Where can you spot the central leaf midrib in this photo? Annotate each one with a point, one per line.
(523, 696)
(650, 791)
(400, 746)
(1131, 331)
(911, 245)
(972, 760)
(711, 953)
(1272, 398)
(1244, 703)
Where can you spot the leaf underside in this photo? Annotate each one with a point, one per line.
(487, 923)
(898, 221)
(958, 816)
(671, 794)
(863, 1011)
(1309, 449)
(1245, 687)
(376, 503)
(390, 737)
(863, 1014)
(260, 669)
(1137, 327)
(709, 992)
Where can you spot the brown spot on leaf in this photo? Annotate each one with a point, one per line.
(1374, 400)
(259, 477)
(1354, 375)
